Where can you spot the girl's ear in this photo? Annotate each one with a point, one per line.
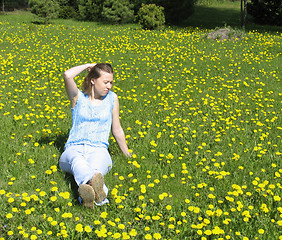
(92, 81)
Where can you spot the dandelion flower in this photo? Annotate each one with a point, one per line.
(133, 232)
(116, 235)
(53, 198)
(88, 229)
(104, 215)
(79, 228)
(148, 236)
(9, 215)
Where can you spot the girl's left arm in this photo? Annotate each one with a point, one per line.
(117, 130)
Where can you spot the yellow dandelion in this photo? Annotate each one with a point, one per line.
(79, 228)
(53, 198)
(133, 232)
(104, 215)
(88, 229)
(148, 236)
(208, 232)
(168, 207)
(9, 215)
(277, 198)
(116, 235)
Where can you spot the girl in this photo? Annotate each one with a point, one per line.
(95, 112)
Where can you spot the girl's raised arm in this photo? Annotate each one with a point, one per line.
(70, 84)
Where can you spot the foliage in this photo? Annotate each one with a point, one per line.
(72, 3)
(10, 5)
(44, 9)
(266, 11)
(90, 10)
(117, 11)
(68, 9)
(137, 4)
(177, 11)
(151, 16)
(66, 12)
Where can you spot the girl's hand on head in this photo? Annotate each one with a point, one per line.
(90, 66)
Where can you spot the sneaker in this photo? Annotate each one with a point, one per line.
(87, 195)
(97, 183)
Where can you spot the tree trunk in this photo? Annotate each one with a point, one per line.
(243, 13)
(3, 5)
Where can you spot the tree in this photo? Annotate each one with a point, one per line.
(3, 5)
(68, 9)
(90, 10)
(266, 11)
(19, 3)
(117, 11)
(243, 13)
(11, 5)
(44, 9)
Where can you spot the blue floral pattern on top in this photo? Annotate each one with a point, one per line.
(91, 124)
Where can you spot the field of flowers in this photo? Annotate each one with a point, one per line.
(202, 117)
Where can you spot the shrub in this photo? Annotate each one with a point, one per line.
(266, 11)
(117, 11)
(151, 16)
(44, 9)
(67, 12)
(176, 11)
(90, 10)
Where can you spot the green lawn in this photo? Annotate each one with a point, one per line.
(202, 117)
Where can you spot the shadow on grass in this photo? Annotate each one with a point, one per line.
(59, 142)
(211, 17)
(72, 183)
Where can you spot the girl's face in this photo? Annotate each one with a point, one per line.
(103, 84)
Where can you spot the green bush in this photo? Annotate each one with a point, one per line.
(44, 9)
(266, 11)
(151, 16)
(117, 11)
(176, 11)
(67, 12)
(90, 10)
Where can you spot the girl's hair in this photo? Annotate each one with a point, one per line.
(95, 73)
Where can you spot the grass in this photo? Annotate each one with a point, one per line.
(211, 14)
(202, 117)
